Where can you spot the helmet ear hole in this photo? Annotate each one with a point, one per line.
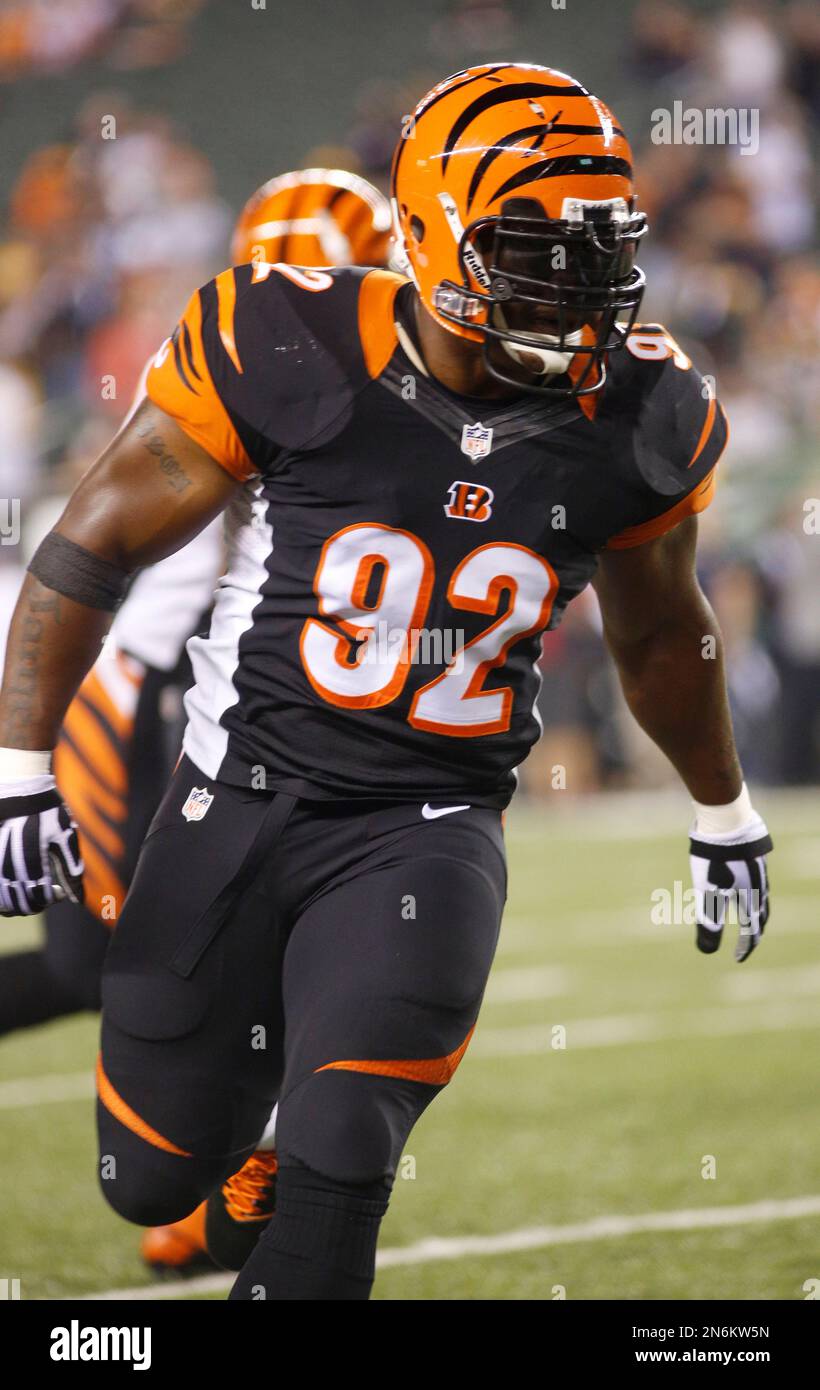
(417, 228)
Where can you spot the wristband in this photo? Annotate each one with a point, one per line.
(21, 764)
(723, 820)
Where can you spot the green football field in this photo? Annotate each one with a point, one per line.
(669, 1149)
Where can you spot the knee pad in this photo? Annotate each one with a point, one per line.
(143, 1184)
(146, 1197)
(349, 1126)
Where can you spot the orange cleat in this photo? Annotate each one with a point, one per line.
(179, 1248)
(239, 1211)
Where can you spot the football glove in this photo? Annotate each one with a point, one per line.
(731, 867)
(40, 860)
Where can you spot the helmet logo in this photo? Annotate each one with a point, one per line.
(476, 441)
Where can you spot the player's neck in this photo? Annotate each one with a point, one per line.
(457, 363)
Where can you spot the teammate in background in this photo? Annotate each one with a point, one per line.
(121, 735)
(314, 217)
(316, 908)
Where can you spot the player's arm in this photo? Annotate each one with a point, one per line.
(153, 489)
(667, 647)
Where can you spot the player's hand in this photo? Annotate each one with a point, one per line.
(40, 860)
(731, 868)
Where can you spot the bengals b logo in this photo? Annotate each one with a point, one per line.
(470, 501)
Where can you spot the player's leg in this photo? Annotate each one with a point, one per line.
(383, 979)
(61, 977)
(75, 947)
(191, 1037)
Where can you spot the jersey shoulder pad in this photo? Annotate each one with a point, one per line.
(677, 430)
(349, 310)
(265, 358)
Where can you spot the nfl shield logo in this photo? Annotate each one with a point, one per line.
(476, 441)
(199, 799)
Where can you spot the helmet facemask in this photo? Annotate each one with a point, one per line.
(549, 293)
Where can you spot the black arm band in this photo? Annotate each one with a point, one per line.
(72, 570)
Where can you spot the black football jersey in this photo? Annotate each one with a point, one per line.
(396, 551)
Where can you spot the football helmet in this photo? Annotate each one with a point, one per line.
(314, 217)
(515, 215)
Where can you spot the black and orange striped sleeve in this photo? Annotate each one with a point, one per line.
(267, 358)
(181, 378)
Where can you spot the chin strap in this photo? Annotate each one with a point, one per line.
(553, 361)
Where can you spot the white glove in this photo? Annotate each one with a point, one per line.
(730, 866)
(40, 860)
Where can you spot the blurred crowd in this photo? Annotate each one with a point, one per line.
(52, 36)
(107, 233)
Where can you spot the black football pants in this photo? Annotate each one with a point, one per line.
(331, 956)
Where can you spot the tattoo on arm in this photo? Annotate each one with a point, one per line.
(168, 464)
(22, 702)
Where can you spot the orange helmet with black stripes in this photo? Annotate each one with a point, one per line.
(314, 217)
(515, 209)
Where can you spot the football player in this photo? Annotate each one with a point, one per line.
(418, 475)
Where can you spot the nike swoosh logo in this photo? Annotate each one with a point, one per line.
(433, 812)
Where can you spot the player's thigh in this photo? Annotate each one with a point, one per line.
(383, 980)
(192, 1016)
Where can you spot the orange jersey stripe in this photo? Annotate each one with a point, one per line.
(102, 766)
(80, 797)
(180, 383)
(377, 329)
(121, 1110)
(696, 501)
(100, 880)
(104, 898)
(226, 299)
(705, 432)
(432, 1071)
(95, 693)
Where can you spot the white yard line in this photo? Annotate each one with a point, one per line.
(597, 926)
(612, 1030)
(511, 985)
(643, 815)
(779, 982)
(46, 1090)
(434, 1249)
(607, 1030)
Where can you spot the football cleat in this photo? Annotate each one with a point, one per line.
(515, 216)
(314, 217)
(238, 1212)
(178, 1248)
